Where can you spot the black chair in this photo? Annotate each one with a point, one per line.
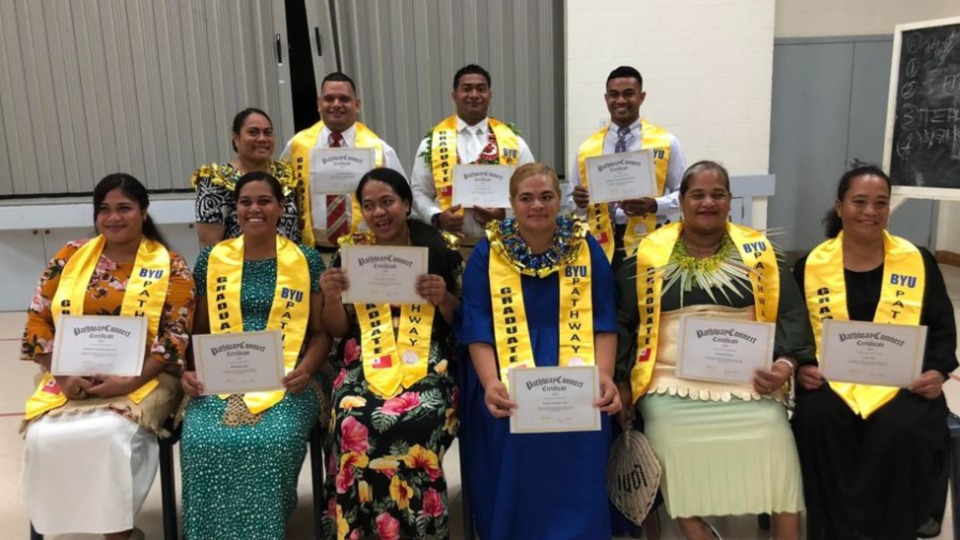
(469, 532)
(953, 424)
(316, 475)
(168, 488)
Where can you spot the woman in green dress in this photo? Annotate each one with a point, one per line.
(241, 455)
(725, 448)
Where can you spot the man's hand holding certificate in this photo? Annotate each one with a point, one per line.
(337, 171)
(486, 186)
(383, 274)
(555, 399)
(619, 177)
(723, 350)
(875, 354)
(239, 363)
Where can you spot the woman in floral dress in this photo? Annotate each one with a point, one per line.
(90, 448)
(391, 429)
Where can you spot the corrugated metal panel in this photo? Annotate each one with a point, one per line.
(403, 56)
(90, 87)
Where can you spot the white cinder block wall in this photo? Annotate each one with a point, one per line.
(707, 67)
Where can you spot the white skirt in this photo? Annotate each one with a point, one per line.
(87, 472)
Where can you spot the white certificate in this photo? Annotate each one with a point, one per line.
(86, 345)
(619, 177)
(482, 185)
(338, 170)
(869, 353)
(554, 399)
(723, 350)
(383, 274)
(239, 363)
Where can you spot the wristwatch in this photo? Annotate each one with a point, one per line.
(435, 220)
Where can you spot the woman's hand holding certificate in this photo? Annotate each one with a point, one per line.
(237, 363)
(869, 353)
(104, 345)
(383, 274)
(723, 350)
(557, 399)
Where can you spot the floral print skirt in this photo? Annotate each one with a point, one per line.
(385, 475)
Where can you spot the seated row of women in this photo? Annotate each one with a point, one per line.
(864, 462)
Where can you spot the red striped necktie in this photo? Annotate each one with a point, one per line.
(337, 224)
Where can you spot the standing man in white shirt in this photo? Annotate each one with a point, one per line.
(333, 216)
(469, 137)
(620, 226)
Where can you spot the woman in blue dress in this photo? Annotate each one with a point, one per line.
(536, 485)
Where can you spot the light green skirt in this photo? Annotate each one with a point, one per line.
(723, 458)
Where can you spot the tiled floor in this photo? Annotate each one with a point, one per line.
(17, 385)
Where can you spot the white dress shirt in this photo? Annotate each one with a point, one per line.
(668, 204)
(319, 204)
(471, 140)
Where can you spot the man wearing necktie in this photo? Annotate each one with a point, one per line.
(333, 216)
(469, 137)
(628, 220)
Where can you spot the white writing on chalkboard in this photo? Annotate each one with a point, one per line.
(938, 48)
(926, 131)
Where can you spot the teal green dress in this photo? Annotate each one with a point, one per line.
(240, 470)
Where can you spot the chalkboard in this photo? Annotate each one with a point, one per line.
(923, 150)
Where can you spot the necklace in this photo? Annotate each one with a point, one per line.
(701, 251)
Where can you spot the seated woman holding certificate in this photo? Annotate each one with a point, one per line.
(537, 293)
(254, 142)
(90, 452)
(241, 454)
(395, 396)
(725, 448)
(874, 458)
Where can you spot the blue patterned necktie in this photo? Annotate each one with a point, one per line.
(622, 135)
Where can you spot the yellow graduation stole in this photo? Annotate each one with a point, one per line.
(300, 147)
(598, 216)
(386, 369)
(654, 253)
(901, 301)
(443, 154)
(289, 313)
(514, 349)
(144, 297)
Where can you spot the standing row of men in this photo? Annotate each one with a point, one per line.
(471, 136)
